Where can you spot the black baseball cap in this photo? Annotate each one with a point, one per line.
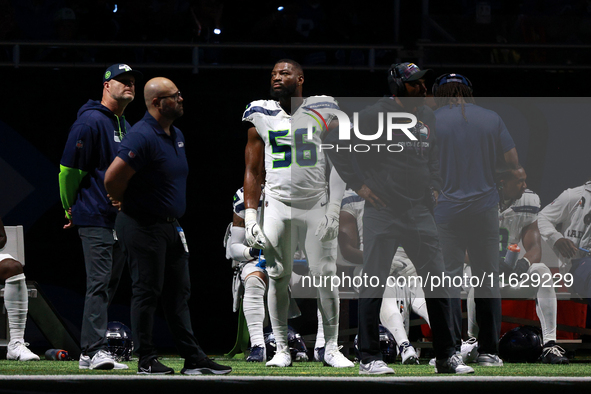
(408, 72)
(118, 69)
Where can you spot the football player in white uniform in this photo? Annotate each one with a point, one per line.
(572, 209)
(401, 296)
(297, 209)
(250, 283)
(518, 222)
(251, 278)
(16, 301)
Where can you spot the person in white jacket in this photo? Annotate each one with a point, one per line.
(572, 210)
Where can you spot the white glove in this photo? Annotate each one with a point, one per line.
(254, 235)
(328, 228)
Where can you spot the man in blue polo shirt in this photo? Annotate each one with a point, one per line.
(92, 145)
(471, 139)
(149, 177)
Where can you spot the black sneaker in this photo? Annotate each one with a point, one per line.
(205, 367)
(153, 367)
(553, 354)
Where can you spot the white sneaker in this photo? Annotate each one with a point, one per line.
(489, 360)
(19, 351)
(120, 365)
(84, 362)
(376, 367)
(334, 358)
(102, 360)
(408, 354)
(469, 350)
(282, 358)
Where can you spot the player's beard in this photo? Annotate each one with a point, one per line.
(285, 91)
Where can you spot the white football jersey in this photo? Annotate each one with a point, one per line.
(295, 167)
(514, 219)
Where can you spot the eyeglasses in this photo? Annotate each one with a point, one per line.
(176, 96)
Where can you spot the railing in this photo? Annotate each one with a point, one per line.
(22, 54)
(504, 56)
(197, 56)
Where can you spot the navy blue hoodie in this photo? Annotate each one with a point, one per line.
(92, 145)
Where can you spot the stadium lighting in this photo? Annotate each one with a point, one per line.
(280, 8)
(217, 31)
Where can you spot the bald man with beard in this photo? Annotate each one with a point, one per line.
(148, 180)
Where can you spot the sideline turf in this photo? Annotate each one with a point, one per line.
(242, 368)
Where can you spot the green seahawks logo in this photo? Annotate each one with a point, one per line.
(107, 74)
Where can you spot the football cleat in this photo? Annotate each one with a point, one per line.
(489, 360)
(469, 350)
(282, 358)
(408, 354)
(17, 350)
(553, 354)
(319, 354)
(334, 358)
(257, 355)
(454, 364)
(375, 367)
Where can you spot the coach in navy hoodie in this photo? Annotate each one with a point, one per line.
(92, 145)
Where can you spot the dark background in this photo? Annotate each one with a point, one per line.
(40, 101)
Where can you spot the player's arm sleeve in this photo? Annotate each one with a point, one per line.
(238, 250)
(553, 214)
(69, 182)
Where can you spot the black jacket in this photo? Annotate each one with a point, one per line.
(401, 179)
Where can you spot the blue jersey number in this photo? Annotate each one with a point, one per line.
(305, 151)
(279, 148)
